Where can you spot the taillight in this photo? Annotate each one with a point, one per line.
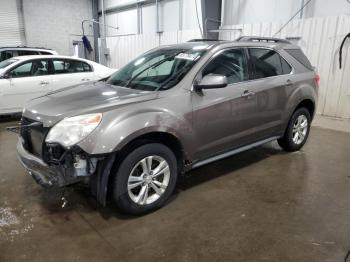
(317, 80)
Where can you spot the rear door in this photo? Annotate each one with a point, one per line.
(26, 81)
(68, 72)
(271, 79)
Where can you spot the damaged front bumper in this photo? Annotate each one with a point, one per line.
(46, 175)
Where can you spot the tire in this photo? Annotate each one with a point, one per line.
(134, 172)
(289, 141)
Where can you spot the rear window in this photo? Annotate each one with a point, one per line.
(300, 57)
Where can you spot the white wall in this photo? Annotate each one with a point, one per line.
(169, 17)
(256, 11)
(55, 24)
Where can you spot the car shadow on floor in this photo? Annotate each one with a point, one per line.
(79, 198)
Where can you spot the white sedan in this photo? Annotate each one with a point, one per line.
(26, 77)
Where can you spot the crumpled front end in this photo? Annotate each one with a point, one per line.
(50, 164)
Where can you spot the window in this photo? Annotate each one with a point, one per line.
(159, 69)
(300, 57)
(45, 53)
(267, 62)
(286, 68)
(7, 62)
(231, 63)
(5, 55)
(70, 66)
(27, 52)
(33, 68)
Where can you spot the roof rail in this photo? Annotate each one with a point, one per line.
(202, 40)
(262, 39)
(29, 47)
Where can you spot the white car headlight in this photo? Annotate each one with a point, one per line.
(72, 130)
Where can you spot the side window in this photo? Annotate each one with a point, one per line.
(285, 66)
(27, 52)
(59, 66)
(75, 66)
(70, 66)
(87, 67)
(33, 68)
(266, 62)
(4, 55)
(45, 53)
(231, 63)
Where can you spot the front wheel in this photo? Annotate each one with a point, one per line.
(145, 179)
(297, 130)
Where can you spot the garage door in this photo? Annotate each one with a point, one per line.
(10, 25)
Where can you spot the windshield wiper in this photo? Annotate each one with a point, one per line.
(152, 66)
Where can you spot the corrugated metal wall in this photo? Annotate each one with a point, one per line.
(11, 29)
(320, 40)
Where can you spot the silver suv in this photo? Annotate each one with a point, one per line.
(9, 52)
(170, 110)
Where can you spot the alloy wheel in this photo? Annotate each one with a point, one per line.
(148, 180)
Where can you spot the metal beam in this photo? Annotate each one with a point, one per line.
(96, 28)
(129, 6)
(211, 18)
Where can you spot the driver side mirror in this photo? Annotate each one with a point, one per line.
(211, 81)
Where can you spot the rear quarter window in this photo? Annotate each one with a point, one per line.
(300, 57)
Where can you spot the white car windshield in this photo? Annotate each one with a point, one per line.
(7, 62)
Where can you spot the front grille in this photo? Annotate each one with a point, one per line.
(33, 136)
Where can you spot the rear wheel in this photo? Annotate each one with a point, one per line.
(297, 130)
(145, 179)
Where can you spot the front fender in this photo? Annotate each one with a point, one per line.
(114, 134)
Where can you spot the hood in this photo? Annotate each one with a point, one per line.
(83, 99)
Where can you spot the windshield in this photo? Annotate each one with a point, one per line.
(7, 62)
(158, 70)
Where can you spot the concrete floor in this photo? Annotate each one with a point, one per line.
(261, 205)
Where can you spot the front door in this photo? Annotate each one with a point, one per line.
(25, 82)
(224, 117)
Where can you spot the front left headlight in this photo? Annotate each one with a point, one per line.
(72, 130)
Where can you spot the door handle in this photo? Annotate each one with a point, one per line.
(289, 83)
(85, 79)
(43, 83)
(247, 94)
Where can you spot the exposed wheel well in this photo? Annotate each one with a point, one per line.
(309, 105)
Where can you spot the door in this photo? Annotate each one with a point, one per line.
(26, 81)
(223, 117)
(270, 84)
(69, 72)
